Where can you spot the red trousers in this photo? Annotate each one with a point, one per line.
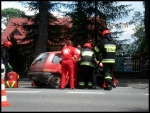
(67, 65)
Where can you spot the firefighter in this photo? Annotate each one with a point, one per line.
(67, 64)
(76, 69)
(5, 56)
(107, 48)
(87, 62)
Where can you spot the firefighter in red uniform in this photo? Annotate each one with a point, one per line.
(67, 64)
(76, 69)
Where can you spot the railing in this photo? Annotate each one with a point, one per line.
(133, 67)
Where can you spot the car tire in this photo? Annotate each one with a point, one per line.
(54, 81)
(39, 84)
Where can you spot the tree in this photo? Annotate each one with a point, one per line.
(80, 13)
(42, 21)
(42, 38)
(33, 30)
(146, 4)
(139, 33)
(8, 13)
(79, 31)
(106, 11)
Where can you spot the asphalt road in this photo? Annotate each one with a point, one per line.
(121, 99)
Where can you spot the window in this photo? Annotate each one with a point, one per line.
(41, 58)
(16, 32)
(57, 58)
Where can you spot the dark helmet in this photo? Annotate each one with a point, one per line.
(88, 45)
(7, 44)
(105, 32)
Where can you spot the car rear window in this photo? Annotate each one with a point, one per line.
(41, 58)
(57, 58)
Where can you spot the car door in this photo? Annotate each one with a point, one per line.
(39, 63)
(53, 63)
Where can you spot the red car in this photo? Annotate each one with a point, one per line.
(45, 70)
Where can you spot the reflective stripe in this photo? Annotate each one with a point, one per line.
(89, 83)
(108, 60)
(13, 84)
(87, 53)
(110, 47)
(88, 64)
(96, 49)
(108, 77)
(7, 84)
(81, 83)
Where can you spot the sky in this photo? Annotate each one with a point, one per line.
(137, 5)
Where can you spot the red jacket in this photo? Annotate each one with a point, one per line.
(68, 52)
(77, 53)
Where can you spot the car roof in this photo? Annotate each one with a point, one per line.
(53, 52)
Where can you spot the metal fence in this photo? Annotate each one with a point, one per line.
(135, 66)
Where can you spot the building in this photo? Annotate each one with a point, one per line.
(15, 27)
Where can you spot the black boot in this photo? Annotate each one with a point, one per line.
(108, 84)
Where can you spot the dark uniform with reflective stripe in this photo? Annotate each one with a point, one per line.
(87, 63)
(5, 57)
(107, 48)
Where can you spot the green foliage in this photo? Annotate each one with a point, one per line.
(102, 13)
(37, 32)
(83, 29)
(9, 13)
(139, 33)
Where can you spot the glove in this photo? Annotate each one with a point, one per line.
(10, 67)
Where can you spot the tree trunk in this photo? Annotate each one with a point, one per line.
(147, 26)
(42, 38)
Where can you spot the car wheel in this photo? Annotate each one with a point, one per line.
(54, 81)
(39, 84)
